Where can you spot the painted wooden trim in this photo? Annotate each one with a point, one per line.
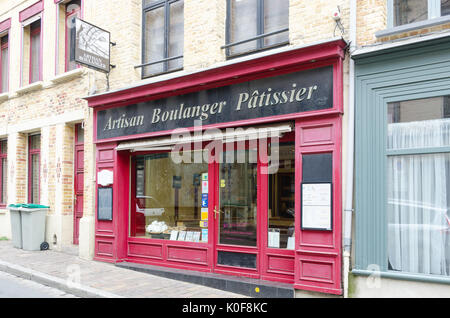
(5, 25)
(31, 11)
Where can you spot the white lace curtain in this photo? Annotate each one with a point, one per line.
(419, 198)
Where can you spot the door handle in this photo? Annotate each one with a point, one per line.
(216, 212)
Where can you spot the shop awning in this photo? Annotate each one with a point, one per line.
(225, 135)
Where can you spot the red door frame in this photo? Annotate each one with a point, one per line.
(316, 266)
(78, 194)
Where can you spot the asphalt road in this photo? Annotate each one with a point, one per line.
(15, 287)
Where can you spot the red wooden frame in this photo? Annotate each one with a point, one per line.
(3, 157)
(316, 260)
(2, 47)
(69, 15)
(31, 152)
(33, 32)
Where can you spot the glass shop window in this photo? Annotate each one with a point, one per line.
(268, 20)
(418, 176)
(168, 198)
(282, 199)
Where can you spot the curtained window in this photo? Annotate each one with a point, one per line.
(418, 194)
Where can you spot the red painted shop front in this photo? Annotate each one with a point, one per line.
(241, 217)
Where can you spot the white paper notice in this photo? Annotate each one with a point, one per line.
(173, 235)
(290, 243)
(316, 206)
(274, 239)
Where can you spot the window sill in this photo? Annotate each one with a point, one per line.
(413, 26)
(30, 88)
(404, 276)
(68, 76)
(3, 97)
(266, 48)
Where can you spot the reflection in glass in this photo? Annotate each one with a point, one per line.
(237, 198)
(168, 199)
(410, 11)
(445, 7)
(282, 200)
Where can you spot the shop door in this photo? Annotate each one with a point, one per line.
(236, 211)
(79, 181)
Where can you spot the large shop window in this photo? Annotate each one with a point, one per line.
(256, 24)
(168, 197)
(4, 63)
(163, 36)
(3, 172)
(410, 11)
(34, 163)
(281, 212)
(418, 177)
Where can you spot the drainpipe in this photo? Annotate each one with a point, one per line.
(348, 209)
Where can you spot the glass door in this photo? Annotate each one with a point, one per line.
(236, 210)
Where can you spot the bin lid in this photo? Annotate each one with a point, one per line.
(29, 206)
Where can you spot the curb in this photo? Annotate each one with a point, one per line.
(55, 282)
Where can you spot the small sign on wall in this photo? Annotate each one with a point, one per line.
(105, 177)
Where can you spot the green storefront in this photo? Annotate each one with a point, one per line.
(402, 160)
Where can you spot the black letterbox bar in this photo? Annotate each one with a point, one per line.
(254, 38)
(160, 61)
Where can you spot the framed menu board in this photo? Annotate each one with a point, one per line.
(105, 204)
(317, 206)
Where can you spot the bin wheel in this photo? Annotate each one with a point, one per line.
(44, 246)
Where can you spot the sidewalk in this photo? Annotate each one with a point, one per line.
(96, 279)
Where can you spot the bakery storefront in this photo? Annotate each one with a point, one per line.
(233, 170)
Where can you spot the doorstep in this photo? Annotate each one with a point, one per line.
(239, 285)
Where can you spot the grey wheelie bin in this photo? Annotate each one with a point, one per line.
(16, 225)
(33, 227)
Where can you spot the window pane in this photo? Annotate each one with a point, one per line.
(420, 123)
(35, 56)
(409, 11)
(445, 7)
(276, 17)
(70, 65)
(5, 69)
(418, 214)
(35, 163)
(168, 199)
(35, 142)
(243, 25)
(4, 181)
(154, 40)
(80, 133)
(176, 34)
(282, 200)
(3, 147)
(237, 198)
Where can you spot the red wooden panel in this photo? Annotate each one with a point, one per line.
(145, 250)
(104, 226)
(280, 265)
(317, 135)
(106, 154)
(5, 25)
(105, 248)
(317, 271)
(319, 239)
(187, 254)
(31, 10)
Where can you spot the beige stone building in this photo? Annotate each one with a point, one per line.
(55, 146)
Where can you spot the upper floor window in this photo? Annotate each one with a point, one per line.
(72, 11)
(163, 36)
(35, 50)
(410, 11)
(256, 24)
(4, 63)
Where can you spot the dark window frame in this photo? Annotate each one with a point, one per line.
(31, 152)
(2, 47)
(3, 159)
(145, 9)
(259, 37)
